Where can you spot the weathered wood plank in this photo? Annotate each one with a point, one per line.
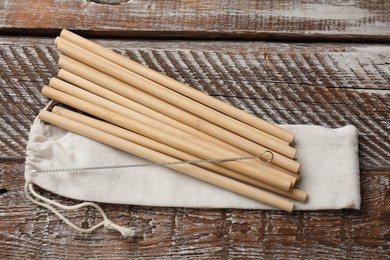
(294, 20)
(28, 231)
(324, 84)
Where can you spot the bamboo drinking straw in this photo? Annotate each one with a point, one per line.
(121, 110)
(170, 96)
(196, 149)
(191, 170)
(150, 101)
(110, 95)
(293, 193)
(233, 121)
(121, 100)
(178, 87)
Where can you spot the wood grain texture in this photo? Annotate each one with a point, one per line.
(323, 84)
(354, 20)
(297, 83)
(31, 232)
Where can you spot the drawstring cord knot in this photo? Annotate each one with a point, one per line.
(47, 203)
(125, 231)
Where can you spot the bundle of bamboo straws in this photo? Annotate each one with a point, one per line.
(160, 119)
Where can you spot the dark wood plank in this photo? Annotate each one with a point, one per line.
(324, 84)
(334, 20)
(31, 232)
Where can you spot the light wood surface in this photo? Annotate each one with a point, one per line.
(300, 20)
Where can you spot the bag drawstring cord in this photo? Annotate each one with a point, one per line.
(47, 203)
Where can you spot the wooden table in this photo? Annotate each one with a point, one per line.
(290, 62)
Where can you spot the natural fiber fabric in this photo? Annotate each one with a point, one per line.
(329, 172)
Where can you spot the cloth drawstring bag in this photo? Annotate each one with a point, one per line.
(79, 168)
